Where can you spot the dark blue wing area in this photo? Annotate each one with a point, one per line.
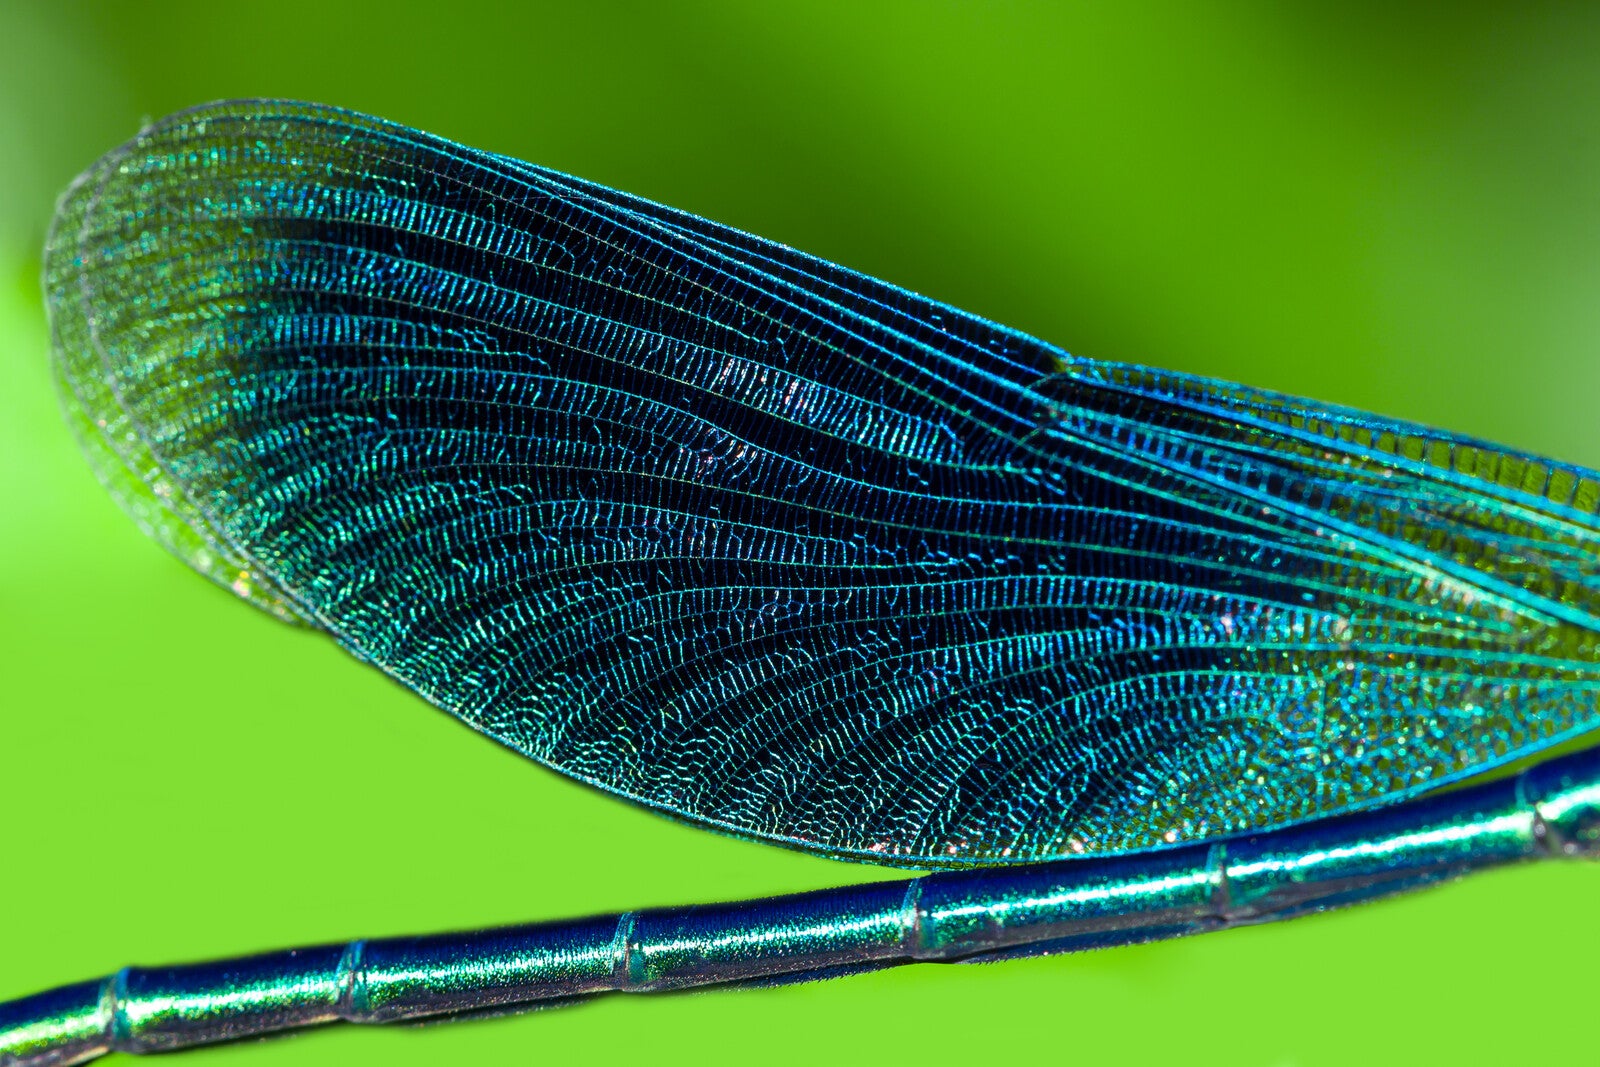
(773, 546)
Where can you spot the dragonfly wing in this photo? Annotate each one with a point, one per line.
(773, 546)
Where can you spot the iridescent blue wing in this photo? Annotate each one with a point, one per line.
(770, 545)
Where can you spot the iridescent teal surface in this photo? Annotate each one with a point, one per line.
(783, 550)
(772, 546)
(1551, 810)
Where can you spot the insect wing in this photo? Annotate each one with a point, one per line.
(766, 544)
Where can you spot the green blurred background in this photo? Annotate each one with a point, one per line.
(1394, 210)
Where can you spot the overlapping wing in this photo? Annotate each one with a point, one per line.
(773, 546)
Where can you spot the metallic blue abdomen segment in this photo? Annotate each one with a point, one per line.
(767, 544)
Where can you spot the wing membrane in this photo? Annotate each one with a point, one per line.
(773, 546)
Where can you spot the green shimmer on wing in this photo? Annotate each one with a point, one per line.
(766, 544)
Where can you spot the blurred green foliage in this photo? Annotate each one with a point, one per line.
(1385, 206)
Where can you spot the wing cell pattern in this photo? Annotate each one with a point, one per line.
(772, 546)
